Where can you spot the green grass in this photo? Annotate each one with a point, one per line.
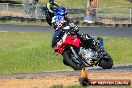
(115, 4)
(30, 52)
(76, 86)
(82, 3)
(38, 23)
(73, 86)
(69, 3)
(120, 49)
(25, 23)
(27, 53)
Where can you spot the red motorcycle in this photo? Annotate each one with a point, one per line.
(78, 54)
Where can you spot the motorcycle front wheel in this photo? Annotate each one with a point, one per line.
(106, 61)
(67, 60)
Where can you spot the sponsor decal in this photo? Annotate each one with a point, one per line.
(85, 81)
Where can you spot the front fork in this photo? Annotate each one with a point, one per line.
(77, 59)
(73, 51)
(101, 49)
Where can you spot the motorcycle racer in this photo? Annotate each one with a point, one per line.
(78, 50)
(59, 23)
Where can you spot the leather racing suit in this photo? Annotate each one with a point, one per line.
(71, 28)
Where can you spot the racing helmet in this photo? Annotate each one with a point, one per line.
(60, 11)
(58, 21)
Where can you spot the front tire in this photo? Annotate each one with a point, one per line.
(106, 61)
(68, 61)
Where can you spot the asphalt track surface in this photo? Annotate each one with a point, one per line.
(94, 31)
(116, 68)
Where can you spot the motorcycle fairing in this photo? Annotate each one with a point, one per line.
(59, 44)
(69, 40)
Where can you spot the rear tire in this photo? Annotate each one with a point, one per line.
(68, 61)
(106, 63)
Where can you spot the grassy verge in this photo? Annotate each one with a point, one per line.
(115, 4)
(73, 86)
(120, 49)
(82, 3)
(25, 23)
(37, 23)
(27, 53)
(76, 86)
(31, 52)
